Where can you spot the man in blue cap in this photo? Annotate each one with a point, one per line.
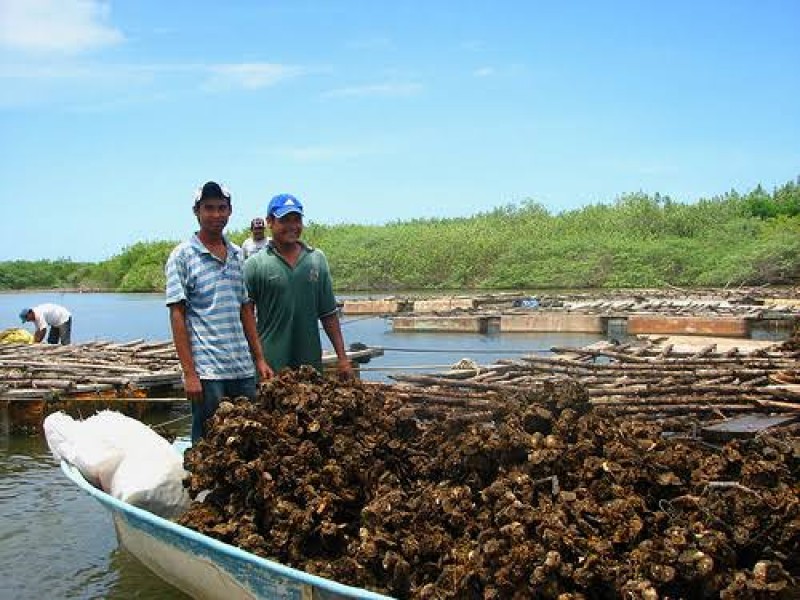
(291, 285)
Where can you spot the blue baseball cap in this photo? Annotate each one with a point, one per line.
(283, 204)
(23, 314)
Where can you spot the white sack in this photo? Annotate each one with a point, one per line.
(153, 481)
(125, 457)
(94, 455)
(126, 433)
(61, 431)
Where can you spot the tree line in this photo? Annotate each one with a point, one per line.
(638, 240)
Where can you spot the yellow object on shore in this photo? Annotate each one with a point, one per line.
(16, 335)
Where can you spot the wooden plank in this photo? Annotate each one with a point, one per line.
(72, 365)
(110, 400)
(157, 378)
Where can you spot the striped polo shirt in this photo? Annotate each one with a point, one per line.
(214, 292)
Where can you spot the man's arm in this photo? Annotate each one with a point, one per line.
(39, 335)
(180, 336)
(248, 316)
(330, 323)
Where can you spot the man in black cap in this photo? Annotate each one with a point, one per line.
(213, 320)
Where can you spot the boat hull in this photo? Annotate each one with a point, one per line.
(205, 568)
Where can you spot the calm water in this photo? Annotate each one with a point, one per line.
(56, 542)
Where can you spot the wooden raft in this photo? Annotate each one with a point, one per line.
(645, 380)
(133, 377)
(42, 370)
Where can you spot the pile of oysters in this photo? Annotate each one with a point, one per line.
(519, 496)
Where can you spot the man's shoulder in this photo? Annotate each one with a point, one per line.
(317, 255)
(264, 256)
(307, 248)
(181, 249)
(262, 263)
(235, 248)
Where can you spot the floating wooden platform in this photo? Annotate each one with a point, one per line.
(620, 325)
(130, 369)
(738, 327)
(451, 324)
(648, 379)
(728, 313)
(132, 377)
(743, 303)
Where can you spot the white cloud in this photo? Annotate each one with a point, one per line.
(483, 72)
(56, 25)
(370, 43)
(249, 76)
(210, 77)
(38, 83)
(379, 89)
(50, 72)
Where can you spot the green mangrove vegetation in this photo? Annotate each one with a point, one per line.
(639, 240)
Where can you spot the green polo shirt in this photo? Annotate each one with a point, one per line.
(289, 303)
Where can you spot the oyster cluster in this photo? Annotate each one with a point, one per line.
(532, 497)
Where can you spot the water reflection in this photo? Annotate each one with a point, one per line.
(137, 581)
(55, 540)
(46, 549)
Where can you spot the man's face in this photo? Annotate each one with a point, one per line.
(258, 233)
(287, 229)
(213, 214)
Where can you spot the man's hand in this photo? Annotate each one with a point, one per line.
(264, 370)
(345, 369)
(193, 388)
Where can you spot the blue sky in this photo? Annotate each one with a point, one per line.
(112, 113)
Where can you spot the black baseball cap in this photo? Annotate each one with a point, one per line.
(211, 189)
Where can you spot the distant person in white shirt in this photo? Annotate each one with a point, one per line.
(257, 241)
(58, 318)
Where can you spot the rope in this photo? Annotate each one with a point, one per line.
(170, 422)
(355, 319)
(467, 351)
(414, 367)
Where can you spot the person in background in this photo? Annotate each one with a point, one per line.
(257, 239)
(212, 319)
(290, 284)
(55, 316)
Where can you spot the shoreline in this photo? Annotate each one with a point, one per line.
(68, 291)
(473, 292)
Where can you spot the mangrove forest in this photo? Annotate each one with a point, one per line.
(638, 240)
